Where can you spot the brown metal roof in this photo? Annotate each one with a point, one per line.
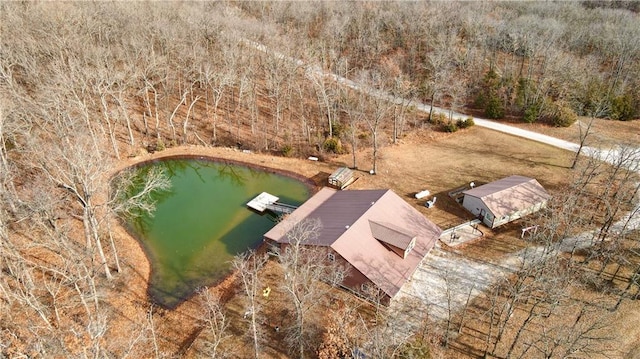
(278, 233)
(508, 195)
(345, 218)
(391, 234)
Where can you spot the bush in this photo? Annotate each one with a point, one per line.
(438, 118)
(160, 146)
(466, 123)
(469, 122)
(494, 108)
(488, 96)
(287, 150)
(531, 114)
(337, 128)
(416, 348)
(524, 88)
(622, 108)
(563, 115)
(332, 144)
(450, 127)
(480, 100)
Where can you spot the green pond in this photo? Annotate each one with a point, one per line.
(202, 222)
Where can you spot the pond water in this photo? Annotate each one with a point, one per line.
(202, 222)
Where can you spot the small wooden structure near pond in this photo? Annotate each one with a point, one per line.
(341, 178)
(268, 201)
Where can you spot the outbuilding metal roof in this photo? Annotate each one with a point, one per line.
(509, 195)
(345, 217)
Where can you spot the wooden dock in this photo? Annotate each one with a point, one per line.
(261, 202)
(268, 201)
(281, 207)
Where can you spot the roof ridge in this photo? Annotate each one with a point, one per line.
(504, 188)
(393, 227)
(508, 188)
(384, 192)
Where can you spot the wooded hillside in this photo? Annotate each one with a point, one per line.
(86, 84)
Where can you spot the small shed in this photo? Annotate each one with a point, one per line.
(505, 200)
(341, 178)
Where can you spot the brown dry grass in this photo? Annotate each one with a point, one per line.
(441, 162)
(603, 133)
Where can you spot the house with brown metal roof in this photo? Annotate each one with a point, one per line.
(505, 200)
(381, 236)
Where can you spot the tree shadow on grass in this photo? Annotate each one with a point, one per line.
(321, 178)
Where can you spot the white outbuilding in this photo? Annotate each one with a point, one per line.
(505, 200)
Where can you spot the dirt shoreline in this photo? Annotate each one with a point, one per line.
(188, 153)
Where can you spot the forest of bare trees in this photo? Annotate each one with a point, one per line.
(84, 85)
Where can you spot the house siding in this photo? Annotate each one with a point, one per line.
(354, 282)
(519, 214)
(478, 209)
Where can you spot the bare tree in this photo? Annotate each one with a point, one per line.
(449, 290)
(456, 91)
(343, 332)
(185, 124)
(585, 131)
(248, 266)
(353, 105)
(153, 77)
(280, 72)
(382, 335)
(133, 190)
(439, 64)
(377, 111)
(172, 126)
(308, 277)
(243, 84)
(218, 84)
(78, 167)
(215, 332)
(124, 111)
(148, 77)
(325, 90)
(106, 95)
(63, 291)
(403, 90)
